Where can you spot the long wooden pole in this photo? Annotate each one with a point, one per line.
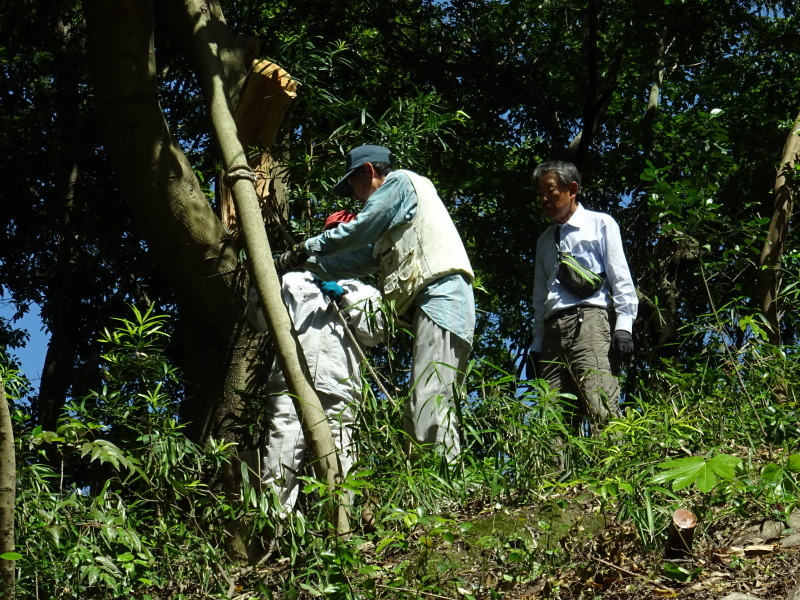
(289, 353)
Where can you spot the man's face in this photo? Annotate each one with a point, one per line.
(558, 202)
(364, 182)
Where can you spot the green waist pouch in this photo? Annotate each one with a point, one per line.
(576, 278)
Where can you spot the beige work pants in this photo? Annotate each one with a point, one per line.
(577, 359)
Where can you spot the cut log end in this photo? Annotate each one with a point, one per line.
(681, 534)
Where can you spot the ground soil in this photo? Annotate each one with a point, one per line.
(575, 548)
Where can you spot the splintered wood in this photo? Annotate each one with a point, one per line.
(265, 101)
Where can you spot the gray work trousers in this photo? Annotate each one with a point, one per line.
(440, 361)
(284, 455)
(577, 359)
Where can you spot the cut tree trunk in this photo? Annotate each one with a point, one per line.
(681, 534)
(265, 102)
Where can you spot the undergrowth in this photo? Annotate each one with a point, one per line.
(142, 518)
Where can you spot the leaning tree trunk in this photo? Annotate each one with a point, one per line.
(183, 233)
(289, 353)
(8, 478)
(769, 277)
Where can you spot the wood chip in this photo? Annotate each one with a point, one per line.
(760, 549)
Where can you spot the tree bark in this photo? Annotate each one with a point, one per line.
(8, 493)
(168, 206)
(185, 236)
(289, 353)
(769, 273)
(681, 534)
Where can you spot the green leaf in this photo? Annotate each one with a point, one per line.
(724, 466)
(772, 474)
(705, 480)
(10, 555)
(681, 574)
(107, 564)
(793, 463)
(683, 472)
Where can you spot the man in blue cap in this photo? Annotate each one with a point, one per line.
(405, 232)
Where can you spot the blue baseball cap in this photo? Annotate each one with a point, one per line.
(358, 157)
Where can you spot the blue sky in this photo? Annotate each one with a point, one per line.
(31, 357)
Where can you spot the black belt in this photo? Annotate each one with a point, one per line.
(572, 310)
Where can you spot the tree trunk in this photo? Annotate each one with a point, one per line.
(769, 264)
(58, 372)
(182, 232)
(8, 492)
(597, 100)
(186, 237)
(655, 94)
(57, 369)
(680, 535)
(289, 353)
(264, 105)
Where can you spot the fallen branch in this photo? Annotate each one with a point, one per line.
(401, 589)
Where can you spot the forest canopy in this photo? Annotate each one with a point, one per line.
(682, 117)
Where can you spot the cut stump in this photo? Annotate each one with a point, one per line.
(681, 534)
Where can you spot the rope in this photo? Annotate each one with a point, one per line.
(237, 173)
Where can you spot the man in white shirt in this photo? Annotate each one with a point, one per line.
(333, 361)
(582, 292)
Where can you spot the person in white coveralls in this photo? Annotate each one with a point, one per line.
(333, 361)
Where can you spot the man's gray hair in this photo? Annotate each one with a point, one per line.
(565, 172)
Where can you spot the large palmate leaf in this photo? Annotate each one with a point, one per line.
(699, 470)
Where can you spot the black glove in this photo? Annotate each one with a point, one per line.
(622, 343)
(293, 259)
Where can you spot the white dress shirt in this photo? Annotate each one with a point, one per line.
(593, 238)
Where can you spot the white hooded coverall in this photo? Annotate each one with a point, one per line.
(334, 364)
